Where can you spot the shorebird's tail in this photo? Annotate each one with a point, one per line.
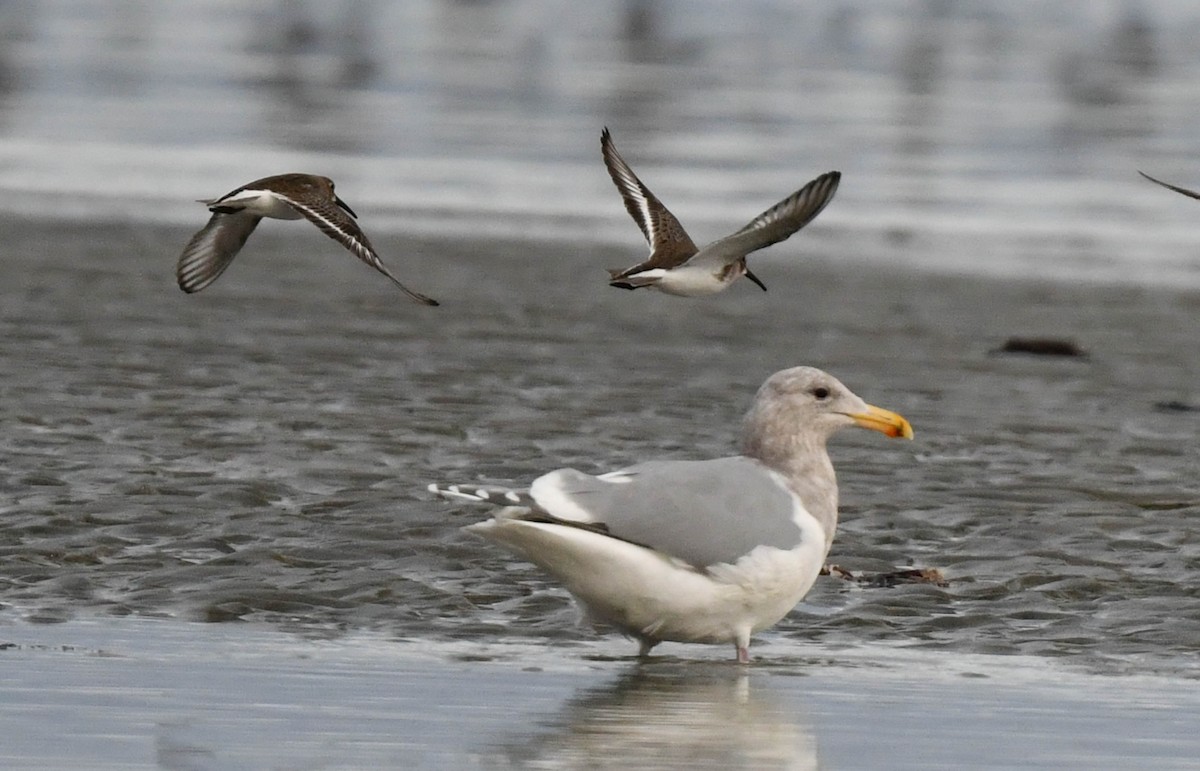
(499, 496)
(622, 280)
(217, 206)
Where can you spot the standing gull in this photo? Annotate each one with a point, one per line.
(695, 551)
(283, 197)
(675, 265)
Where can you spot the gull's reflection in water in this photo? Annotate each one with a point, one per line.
(667, 715)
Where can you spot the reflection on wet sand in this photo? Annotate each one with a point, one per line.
(140, 694)
(668, 715)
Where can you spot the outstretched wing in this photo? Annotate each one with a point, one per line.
(213, 247)
(670, 244)
(338, 225)
(777, 223)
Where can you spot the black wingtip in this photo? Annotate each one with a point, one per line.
(1181, 190)
(1155, 180)
(832, 177)
(417, 297)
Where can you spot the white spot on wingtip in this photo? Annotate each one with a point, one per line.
(433, 488)
(512, 495)
(481, 494)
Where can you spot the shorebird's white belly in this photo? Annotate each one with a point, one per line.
(687, 281)
(264, 203)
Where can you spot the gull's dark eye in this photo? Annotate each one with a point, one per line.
(821, 392)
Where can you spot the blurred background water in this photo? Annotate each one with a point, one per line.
(1009, 133)
(259, 452)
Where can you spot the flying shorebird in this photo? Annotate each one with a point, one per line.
(675, 265)
(284, 197)
(705, 551)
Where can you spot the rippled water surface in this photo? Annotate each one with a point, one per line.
(262, 454)
(259, 452)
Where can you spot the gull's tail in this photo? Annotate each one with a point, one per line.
(499, 496)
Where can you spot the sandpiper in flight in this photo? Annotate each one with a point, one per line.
(284, 197)
(675, 265)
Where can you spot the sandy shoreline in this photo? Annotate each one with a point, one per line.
(137, 693)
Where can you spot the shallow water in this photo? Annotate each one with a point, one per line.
(147, 694)
(243, 454)
(259, 452)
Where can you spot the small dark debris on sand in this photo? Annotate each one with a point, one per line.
(1042, 346)
(890, 578)
(1174, 405)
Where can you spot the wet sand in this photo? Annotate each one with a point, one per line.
(258, 453)
(148, 694)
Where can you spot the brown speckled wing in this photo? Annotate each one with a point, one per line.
(670, 244)
(338, 225)
(213, 247)
(775, 224)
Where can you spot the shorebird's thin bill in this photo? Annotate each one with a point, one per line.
(345, 206)
(884, 421)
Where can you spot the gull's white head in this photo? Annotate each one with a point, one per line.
(803, 406)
